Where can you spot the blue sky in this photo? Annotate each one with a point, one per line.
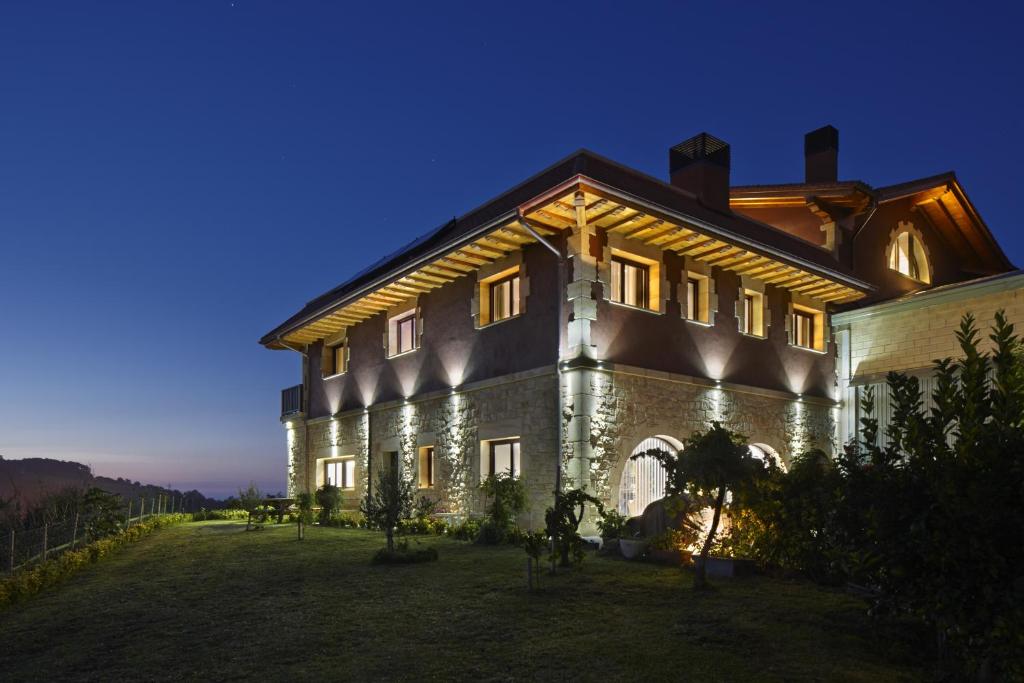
(177, 178)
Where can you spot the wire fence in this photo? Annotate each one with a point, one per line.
(23, 547)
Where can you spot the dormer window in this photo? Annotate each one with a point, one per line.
(907, 256)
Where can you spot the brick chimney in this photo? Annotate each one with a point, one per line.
(701, 165)
(821, 155)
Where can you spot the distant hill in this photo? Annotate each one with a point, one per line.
(30, 480)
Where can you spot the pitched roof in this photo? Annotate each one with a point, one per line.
(581, 165)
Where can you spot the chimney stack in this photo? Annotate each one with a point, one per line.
(821, 155)
(701, 165)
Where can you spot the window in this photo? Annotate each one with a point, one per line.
(504, 298)
(341, 473)
(907, 257)
(402, 333)
(501, 456)
(751, 313)
(631, 282)
(426, 467)
(803, 329)
(335, 359)
(697, 295)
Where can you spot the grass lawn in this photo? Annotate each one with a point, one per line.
(211, 601)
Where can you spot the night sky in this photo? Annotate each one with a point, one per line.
(178, 178)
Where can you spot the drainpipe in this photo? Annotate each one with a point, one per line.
(305, 402)
(561, 322)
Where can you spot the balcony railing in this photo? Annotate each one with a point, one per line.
(291, 400)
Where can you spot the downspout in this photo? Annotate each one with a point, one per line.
(558, 359)
(305, 404)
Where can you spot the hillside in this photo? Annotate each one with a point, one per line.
(27, 481)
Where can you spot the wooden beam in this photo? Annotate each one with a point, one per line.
(743, 261)
(483, 250)
(689, 237)
(723, 255)
(781, 275)
(698, 246)
(615, 225)
(441, 271)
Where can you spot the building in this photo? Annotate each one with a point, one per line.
(593, 311)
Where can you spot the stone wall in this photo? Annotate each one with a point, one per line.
(455, 424)
(910, 334)
(633, 404)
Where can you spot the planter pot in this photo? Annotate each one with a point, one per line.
(632, 549)
(676, 558)
(729, 567)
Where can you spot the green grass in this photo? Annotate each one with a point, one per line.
(212, 601)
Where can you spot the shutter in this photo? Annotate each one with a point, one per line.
(741, 310)
(789, 322)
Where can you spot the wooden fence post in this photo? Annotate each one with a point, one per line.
(142, 507)
(10, 562)
(74, 529)
(46, 533)
(128, 521)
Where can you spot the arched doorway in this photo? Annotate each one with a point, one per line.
(643, 479)
(766, 453)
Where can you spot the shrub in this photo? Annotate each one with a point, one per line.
(328, 497)
(31, 580)
(612, 525)
(467, 530)
(508, 498)
(204, 515)
(402, 555)
(535, 543)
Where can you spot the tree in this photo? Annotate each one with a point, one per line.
(390, 503)
(563, 523)
(508, 498)
(250, 500)
(710, 465)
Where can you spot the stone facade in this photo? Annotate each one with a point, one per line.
(618, 407)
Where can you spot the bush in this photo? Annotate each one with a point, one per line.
(467, 530)
(205, 515)
(508, 498)
(401, 554)
(328, 497)
(31, 580)
(612, 525)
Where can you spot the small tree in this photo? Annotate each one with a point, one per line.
(508, 498)
(710, 464)
(250, 500)
(328, 497)
(390, 503)
(103, 512)
(304, 501)
(563, 523)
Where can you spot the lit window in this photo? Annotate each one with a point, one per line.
(697, 287)
(402, 333)
(630, 282)
(907, 257)
(501, 456)
(803, 329)
(504, 298)
(335, 359)
(751, 316)
(807, 328)
(426, 466)
(341, 473)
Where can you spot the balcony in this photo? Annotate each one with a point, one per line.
(291, 400)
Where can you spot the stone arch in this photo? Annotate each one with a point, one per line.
(635, 482)
(763, 451)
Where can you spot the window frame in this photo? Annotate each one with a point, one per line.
(346, 470)
(431, 458)
(915, 253)
(618, 266)
(395, 326)
(798, 316)
(698, 297)
(331, 355)
(514, 297)
(515, 444)
(752, 322)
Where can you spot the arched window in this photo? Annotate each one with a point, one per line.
(907, 255)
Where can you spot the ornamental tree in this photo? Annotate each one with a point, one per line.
(390, 502)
